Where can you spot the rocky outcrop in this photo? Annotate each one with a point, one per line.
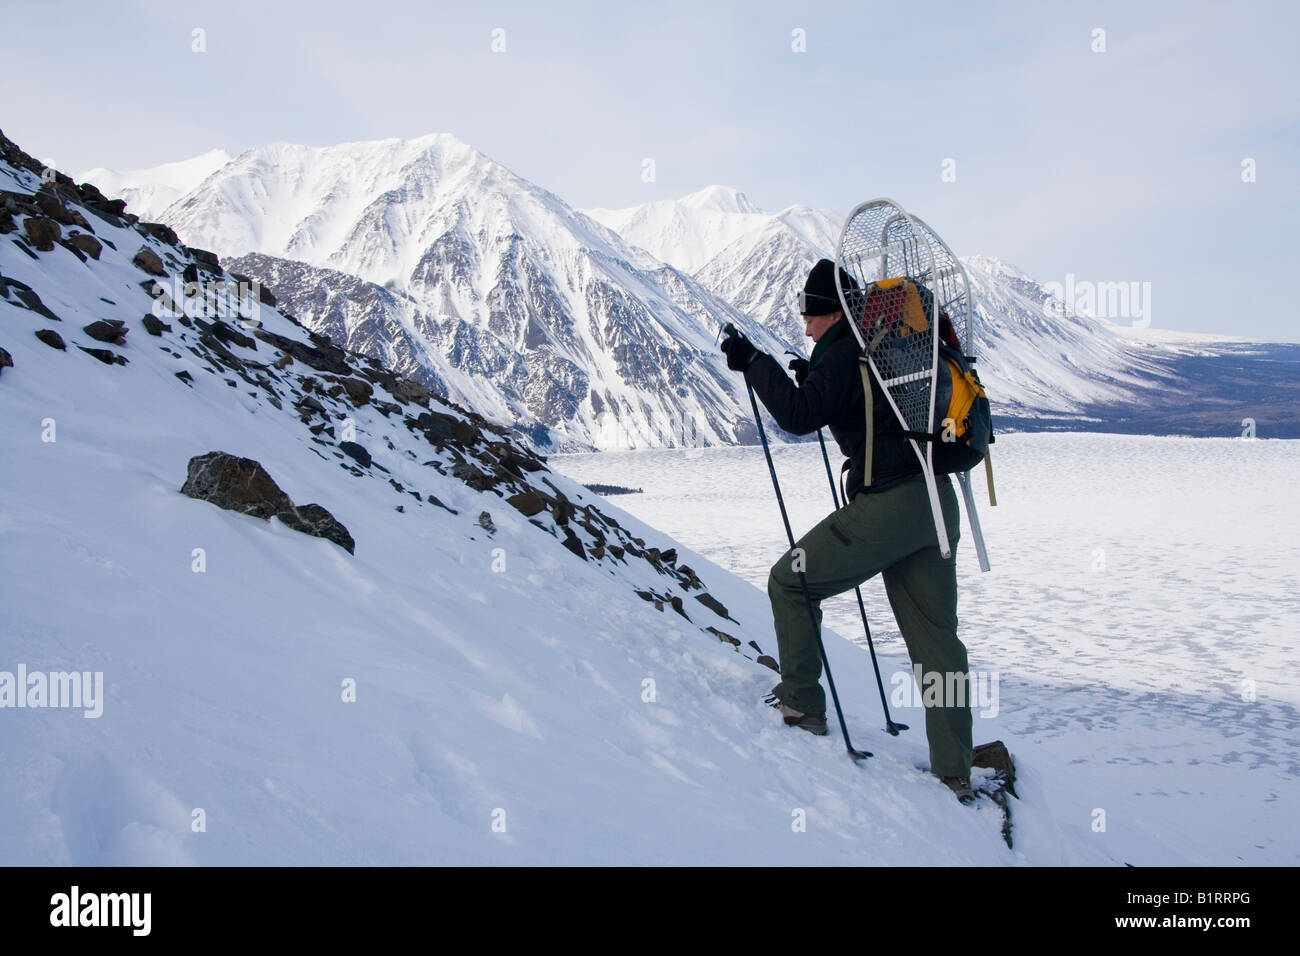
(148, 260)
(243, 485)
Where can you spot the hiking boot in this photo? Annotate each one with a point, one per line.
(961, 787)
(813, 723)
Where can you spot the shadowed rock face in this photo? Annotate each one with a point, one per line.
(243, 485)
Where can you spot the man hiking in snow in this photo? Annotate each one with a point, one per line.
(886, 527)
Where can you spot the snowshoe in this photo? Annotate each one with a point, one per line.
(1001, 783)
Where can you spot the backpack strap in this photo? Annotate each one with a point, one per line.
(868, 403)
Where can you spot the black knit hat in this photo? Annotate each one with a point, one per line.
(819, 295)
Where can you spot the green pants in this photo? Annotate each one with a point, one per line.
(892, 533)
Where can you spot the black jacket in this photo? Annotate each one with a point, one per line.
(832, 396)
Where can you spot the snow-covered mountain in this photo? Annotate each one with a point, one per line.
(1046, 365)
(149, 191)
(599, 329)
(468, 658)
(481, 283)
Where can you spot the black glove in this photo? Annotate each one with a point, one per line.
(738, 349)
(800, 368)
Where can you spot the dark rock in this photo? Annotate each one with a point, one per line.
(528, 502)
(112, 331)
(205, 259)
(107, 356)
(185, 377)
(473, 476)
(148, 260)
(86, 243)
(572, 542)
(616, 551)
(562, 511)
(6, 360)
(485, 521)
(676, 602)
(330, 359)
(669, 556)
(227, 334)
(234, 483)
(407, 391)
(309, 404)
(155, 326)
(356, 452)
(359, 391)
(157, 230)
(42, 232)
(434, 501)
(723, 635)
(318, 522)
(31, 300)
(713, 604)
(51, 338)
(767, 661)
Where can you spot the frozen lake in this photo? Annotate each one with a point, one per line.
(1141, 613)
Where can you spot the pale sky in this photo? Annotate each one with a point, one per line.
(1122, 165)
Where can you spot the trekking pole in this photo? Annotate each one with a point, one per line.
(891, 727)
(803, 583)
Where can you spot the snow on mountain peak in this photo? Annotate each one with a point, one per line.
(724, 199)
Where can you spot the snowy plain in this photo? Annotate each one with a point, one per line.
(1141, 613)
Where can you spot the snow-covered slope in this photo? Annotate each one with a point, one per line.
(462, 688)
(149, 191)
(558, 322)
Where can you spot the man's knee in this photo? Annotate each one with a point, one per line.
(782, 579)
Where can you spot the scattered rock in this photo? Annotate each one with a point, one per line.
(185, 377)
(767, 661)
(485, 522)
(713, 604)
(318, 522)
(107, 356)
(86, 243)
(528, 502)
(112, 331)
(28, 297)
(407, 391)
(160, 231)
(155, 326)
(42, 232)
(473, 476)
(307, 404)
(234, 483)
(205, 259)
(51, 338)
(6, 360)
(723, 635)
(148, 260)
(572, 542)
(356, 452)
(359, 391)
